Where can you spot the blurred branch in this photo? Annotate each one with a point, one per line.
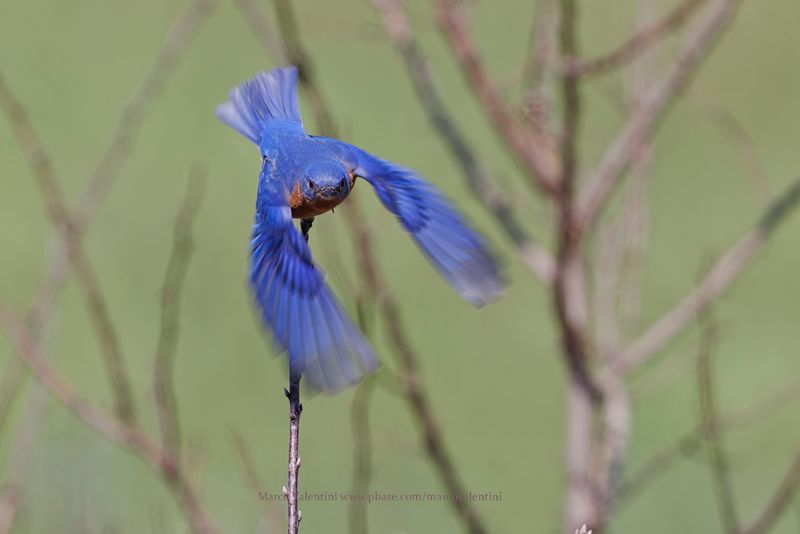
(539, 69)
(601, 183)
(297, 56)
(259, 25)
(114, 430)
(9, 386)
(177, 268)
(53, 198)
(617, 298)
(779, 502)
(362, 457)
(543, 46)
(691, 442)
(571, 308)
(713, 285)
(568, 296)
(711, 433)
(534, 151)
(638, 43)
(253, 479)
(21, 457)
(734, 131)
(107, 169)
(140, 102)
(534, 256)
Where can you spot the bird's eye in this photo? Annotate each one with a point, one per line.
(311, 185)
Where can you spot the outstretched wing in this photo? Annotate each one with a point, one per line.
(457, 251)
(298, 307)
(266, 98)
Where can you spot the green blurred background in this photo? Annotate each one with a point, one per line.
(494, 375)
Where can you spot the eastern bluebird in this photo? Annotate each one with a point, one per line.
(303, 176)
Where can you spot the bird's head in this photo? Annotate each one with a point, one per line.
(326, 181)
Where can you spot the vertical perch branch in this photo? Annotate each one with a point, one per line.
(295, 409)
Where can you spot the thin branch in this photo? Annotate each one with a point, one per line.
(658, 464)
(717, 456)
(543, 46)
(713, 285)
(779, 502)
(140, 102)
(568, 260)
(357, 517)
(734, 131)
(533, 151)
(53, 198)
(177, 268)
(533, 255)
(618, 294)
(13, 377)
(691, 442)
(638, 43)
(13, 488)
(114, 430)
(601, 183)
(540, 67)
(570, 302)
(25, 439)
(291, 493)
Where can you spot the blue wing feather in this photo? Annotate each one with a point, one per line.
(299, 308)
(266, 98)
(458, 252)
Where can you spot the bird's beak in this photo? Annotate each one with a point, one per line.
(330, 193)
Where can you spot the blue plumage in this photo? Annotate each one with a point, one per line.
(303, 176)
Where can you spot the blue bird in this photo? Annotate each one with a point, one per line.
(303, 176)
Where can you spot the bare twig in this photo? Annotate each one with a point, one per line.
(177, 268)
(601, 183)
(114, 430)
(717, 456)
(568, 260)
(535, 257)
(362, 457)
(569, 297)
(295, 409)
(534, 151)
(641, 41)
(61, 220)
(713, 285)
